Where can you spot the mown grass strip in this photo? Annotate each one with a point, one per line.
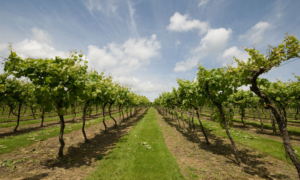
(263, 116)
(268, 146)
(11, 143)
(291, 129)
(37, 115)
(36, 121)
(26, 116)
(142, 154)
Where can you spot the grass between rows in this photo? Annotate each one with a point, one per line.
(11, 143)
(36, 121)
(267, 146)
(141, 154)
(262, 116)
(28, 116)
(291, 129)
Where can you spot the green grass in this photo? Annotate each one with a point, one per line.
(263, 116)
(11, 143)
(35, 121)
(268, 146)
(291, 129)
(142, 154)
(27, 115)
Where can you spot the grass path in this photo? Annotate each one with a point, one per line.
(142, 154)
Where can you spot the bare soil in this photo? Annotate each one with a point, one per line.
(197, 160)
(39, 161)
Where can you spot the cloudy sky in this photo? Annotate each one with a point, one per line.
(147, 44)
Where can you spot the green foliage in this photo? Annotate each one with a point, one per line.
(58, 80)
(228, 116)
(288, 49)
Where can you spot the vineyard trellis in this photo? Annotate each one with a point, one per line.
(218, 88)
(59, 84)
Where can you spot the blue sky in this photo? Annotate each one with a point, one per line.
(147, 44)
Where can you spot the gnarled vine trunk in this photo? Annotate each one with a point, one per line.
(83, 123)
(282, 125)
(33, 114)
(19, 114)
(104, 117)
(120, 114)
(228, 134)
(111, 116)
(61, 133)
(43, 117)
(199, 115)
(220, 108)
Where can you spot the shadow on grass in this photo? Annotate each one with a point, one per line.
(86, 153)
(49, 124)
(254, 164)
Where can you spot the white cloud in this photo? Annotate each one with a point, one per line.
(228, 54)
(40, 35)
(181, 23)
(38, 46)
(125, 58)
(95, 54)
(188, 64)
(257, 32)
(34, 49)
(215, 40)
(138, 85)
(202, 3)
(211, 44)
(177, 43)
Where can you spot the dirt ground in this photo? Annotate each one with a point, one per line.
(197, 160)
(39, 161)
